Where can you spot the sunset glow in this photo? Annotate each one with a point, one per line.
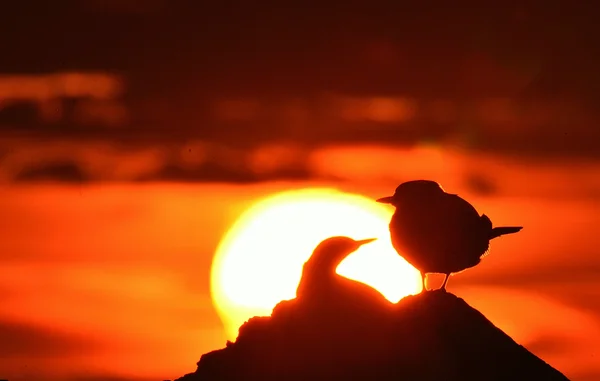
(259, 261)
(167, 168)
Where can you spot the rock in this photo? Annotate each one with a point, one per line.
(431, 336)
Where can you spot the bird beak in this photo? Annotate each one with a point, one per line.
(385, 200)
(365, 241)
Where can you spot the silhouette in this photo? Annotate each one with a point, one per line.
(438, 232)
(429, 336)
(321, 287)
(340, 329)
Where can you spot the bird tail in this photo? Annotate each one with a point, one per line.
(502, 230)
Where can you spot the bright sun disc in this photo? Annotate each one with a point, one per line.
(259, 260)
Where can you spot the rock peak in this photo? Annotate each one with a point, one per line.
(430, 336)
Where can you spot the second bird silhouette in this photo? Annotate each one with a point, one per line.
(439, 232)
(321, 287)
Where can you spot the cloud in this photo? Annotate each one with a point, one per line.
(208, 172)
(29, 340)
(593, 375)
(551, 344)
(587, 271)
(107, 377)
(572, 284)
(63, 171)
(26, 160)
(201, 161)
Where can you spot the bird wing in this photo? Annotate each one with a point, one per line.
(469, 231)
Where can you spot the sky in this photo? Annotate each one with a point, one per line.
(133, 134)
(113, 278)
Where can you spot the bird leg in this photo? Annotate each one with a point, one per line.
(423, 278)
(445, 281)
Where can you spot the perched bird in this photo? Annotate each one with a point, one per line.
(439, 232)
(320, 284)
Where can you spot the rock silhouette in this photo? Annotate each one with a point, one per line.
(431, 336)
(439, 232)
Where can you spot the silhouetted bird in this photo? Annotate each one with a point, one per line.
(438, 232)
(321, 285)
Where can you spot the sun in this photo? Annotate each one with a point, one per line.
(258, 262)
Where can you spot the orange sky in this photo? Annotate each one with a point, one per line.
(114, 279)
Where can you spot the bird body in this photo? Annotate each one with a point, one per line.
(438, 232)
(321, 286)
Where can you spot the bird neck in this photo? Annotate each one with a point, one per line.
(317, 273)
(322, 265)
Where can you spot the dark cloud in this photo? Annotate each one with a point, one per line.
(588, 376)
(543, 274)
(480, 184)
(92, 376)
(572, 285)
(63, 171)
(22, 339)
(551, 345)
(584, 299)
(21, 114)
(208, 172)
(32, 160)
(105, 377)
(214, 172)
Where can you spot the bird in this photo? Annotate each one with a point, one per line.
(322, 287)
(439, 232)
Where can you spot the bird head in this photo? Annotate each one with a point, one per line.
(410, 190)
(333, 250)
(320, 269)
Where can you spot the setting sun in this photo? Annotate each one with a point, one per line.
(259, 260)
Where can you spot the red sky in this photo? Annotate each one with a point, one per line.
(114, 279)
